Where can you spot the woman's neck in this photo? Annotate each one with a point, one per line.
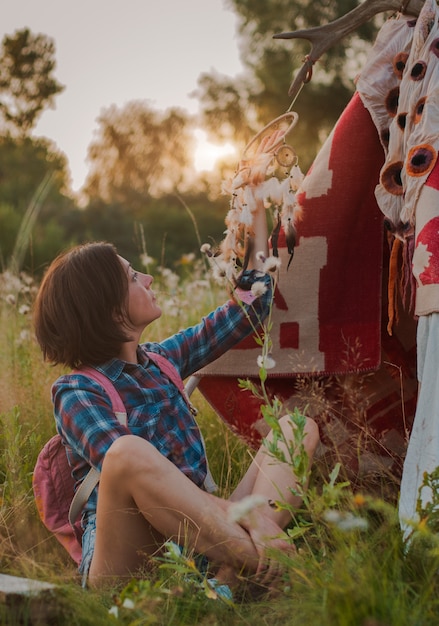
(128, 352)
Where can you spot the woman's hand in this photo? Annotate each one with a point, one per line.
(267, 537)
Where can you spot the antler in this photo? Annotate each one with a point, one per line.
(323, 37)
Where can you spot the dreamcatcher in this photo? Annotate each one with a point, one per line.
(269, 175)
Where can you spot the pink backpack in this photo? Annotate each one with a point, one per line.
(54, 488)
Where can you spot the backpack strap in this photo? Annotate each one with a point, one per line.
(168, 368)
(91, 479)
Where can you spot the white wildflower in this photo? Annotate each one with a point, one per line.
(10, 299)
(114, 611)
(24, 309)
(206, 248)
(271, 264)
(174, 550)
(23, 337)
(11, 282)
(260, 256)
(170, 278)
(187, 259)
(258, 288)
(172, 306)
(241, 509)
(146, 260)
(220, 271)
(345, 521)
(128, 604)
(267, 362)
(27, 280)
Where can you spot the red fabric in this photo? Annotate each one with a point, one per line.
(343, 225)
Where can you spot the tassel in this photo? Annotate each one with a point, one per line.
(392, 285)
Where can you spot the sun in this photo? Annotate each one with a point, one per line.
(206, 153)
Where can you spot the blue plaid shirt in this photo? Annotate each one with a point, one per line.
(156, 410)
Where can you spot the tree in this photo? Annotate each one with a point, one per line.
(33, 194)
(262, 91)
(138, 152)
(27, 85)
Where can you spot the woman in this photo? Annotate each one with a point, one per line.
(91, 310)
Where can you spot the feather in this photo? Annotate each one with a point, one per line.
(275, 236)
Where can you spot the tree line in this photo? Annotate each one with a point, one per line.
(141, 191)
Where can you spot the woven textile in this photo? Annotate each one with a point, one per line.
(328, 325)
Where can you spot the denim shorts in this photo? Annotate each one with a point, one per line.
(88, 546)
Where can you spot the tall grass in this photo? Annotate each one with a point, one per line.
(351, 569)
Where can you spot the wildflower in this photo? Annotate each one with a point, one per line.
(241, 509)
(24, 309)
(267, 361)
(128, 604)
(187, 259)
(359, 500)
(260, 256)
(258, 288)
(271, 264)
(10, 299)
(114, 611)
(146, 260)
(23, 337)
(206, 249)
(219, 271)
(345, 521)
(174, 550)
(170, 278)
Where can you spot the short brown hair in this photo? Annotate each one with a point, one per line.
(81, 298)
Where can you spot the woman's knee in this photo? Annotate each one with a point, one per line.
(310, 432)
(129, 454)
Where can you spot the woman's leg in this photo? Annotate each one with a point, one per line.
(144, 500)
(273, 479)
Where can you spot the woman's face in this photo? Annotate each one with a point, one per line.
(142, 306)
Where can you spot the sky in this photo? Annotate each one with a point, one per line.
(114, 51)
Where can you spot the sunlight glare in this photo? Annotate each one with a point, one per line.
(207, 153)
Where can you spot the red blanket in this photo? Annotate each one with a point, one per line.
(328, 323)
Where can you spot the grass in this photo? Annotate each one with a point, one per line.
(352, 567)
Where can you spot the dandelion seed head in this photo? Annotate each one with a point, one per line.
(23, 338)
(267, 362)
(345, 521)
(258, 288)
(128, 604)
(271, 264)
(206, 248)
(146, 260)
(241, 509)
